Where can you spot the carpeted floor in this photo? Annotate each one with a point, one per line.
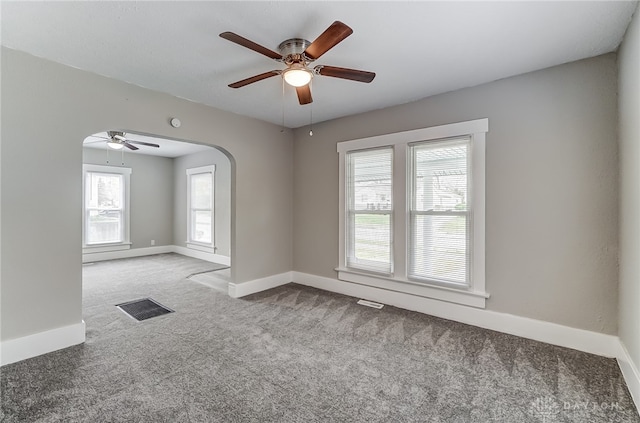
(294, 354)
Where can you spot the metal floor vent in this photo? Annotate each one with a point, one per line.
(143, 309)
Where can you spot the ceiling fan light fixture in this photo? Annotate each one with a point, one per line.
(297, 54)
(116, 145)
(297, 76)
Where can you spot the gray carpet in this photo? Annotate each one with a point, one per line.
(295, 354)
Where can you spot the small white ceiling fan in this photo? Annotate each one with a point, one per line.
(117, 140)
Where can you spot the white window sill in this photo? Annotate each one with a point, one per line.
(202, 247)
(458, 296)
(103, 248)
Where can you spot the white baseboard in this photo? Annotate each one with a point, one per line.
(630, 373)
(19, 349)
(237, 290)
(551, 333)
(160, 249)
(202, 255)
(134, 252)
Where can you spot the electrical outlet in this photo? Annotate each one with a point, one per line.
(153, 242)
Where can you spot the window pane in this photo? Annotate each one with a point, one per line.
(104, 226)
(440, 176)
(439, 228)
(369, 203)
(439, 248)
(370, 180)
(201, 226)
(201, 189)
(104, 190)
(371, 243)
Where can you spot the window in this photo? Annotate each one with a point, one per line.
(200, 199)
(439, 219)
(413, 216)
(369, 209)
(106, 208)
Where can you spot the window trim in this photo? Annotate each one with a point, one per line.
(472, 295)
(190, 243)
(126, 215)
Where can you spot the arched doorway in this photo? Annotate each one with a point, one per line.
(153, 195)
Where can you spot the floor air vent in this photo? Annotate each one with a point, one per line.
(144, 309)
(370, 304)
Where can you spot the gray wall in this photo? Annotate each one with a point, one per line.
(222, 201)
(629, 108)
(551, 188)
(48, 110)
(151, 208)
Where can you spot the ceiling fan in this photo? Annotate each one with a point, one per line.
(297, 54)
(117, 141)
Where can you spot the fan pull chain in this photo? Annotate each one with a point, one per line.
(311, 125)
(107, 155)
(282, 130)
(122, 151)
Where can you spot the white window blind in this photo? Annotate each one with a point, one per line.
(369, 210)
(104, 208)
(439, 215)
(201, 208)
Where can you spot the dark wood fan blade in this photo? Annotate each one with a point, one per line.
(235, 38)
(148, 144)
(345, 73)
(304, 94)
(328, 39)
(130, 147)
(253, 79)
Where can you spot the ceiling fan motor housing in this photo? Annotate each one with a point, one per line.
(115, 134)
(293, 48)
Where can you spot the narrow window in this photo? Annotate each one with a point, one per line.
(200, 189)
(369, 209)
(106, 216)
(439, 218)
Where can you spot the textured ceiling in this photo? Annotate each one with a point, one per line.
(417, 49)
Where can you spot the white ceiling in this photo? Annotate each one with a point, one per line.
(168, 148)
(417, 49)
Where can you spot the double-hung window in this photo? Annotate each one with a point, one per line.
(439, 219)
(200, 200)
(106, 208)
(369, 209)
(412, 215)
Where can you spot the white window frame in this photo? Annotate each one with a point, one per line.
(350, 254)
(126, 232)
(472, 295)
(197, 245)
(467, 213)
